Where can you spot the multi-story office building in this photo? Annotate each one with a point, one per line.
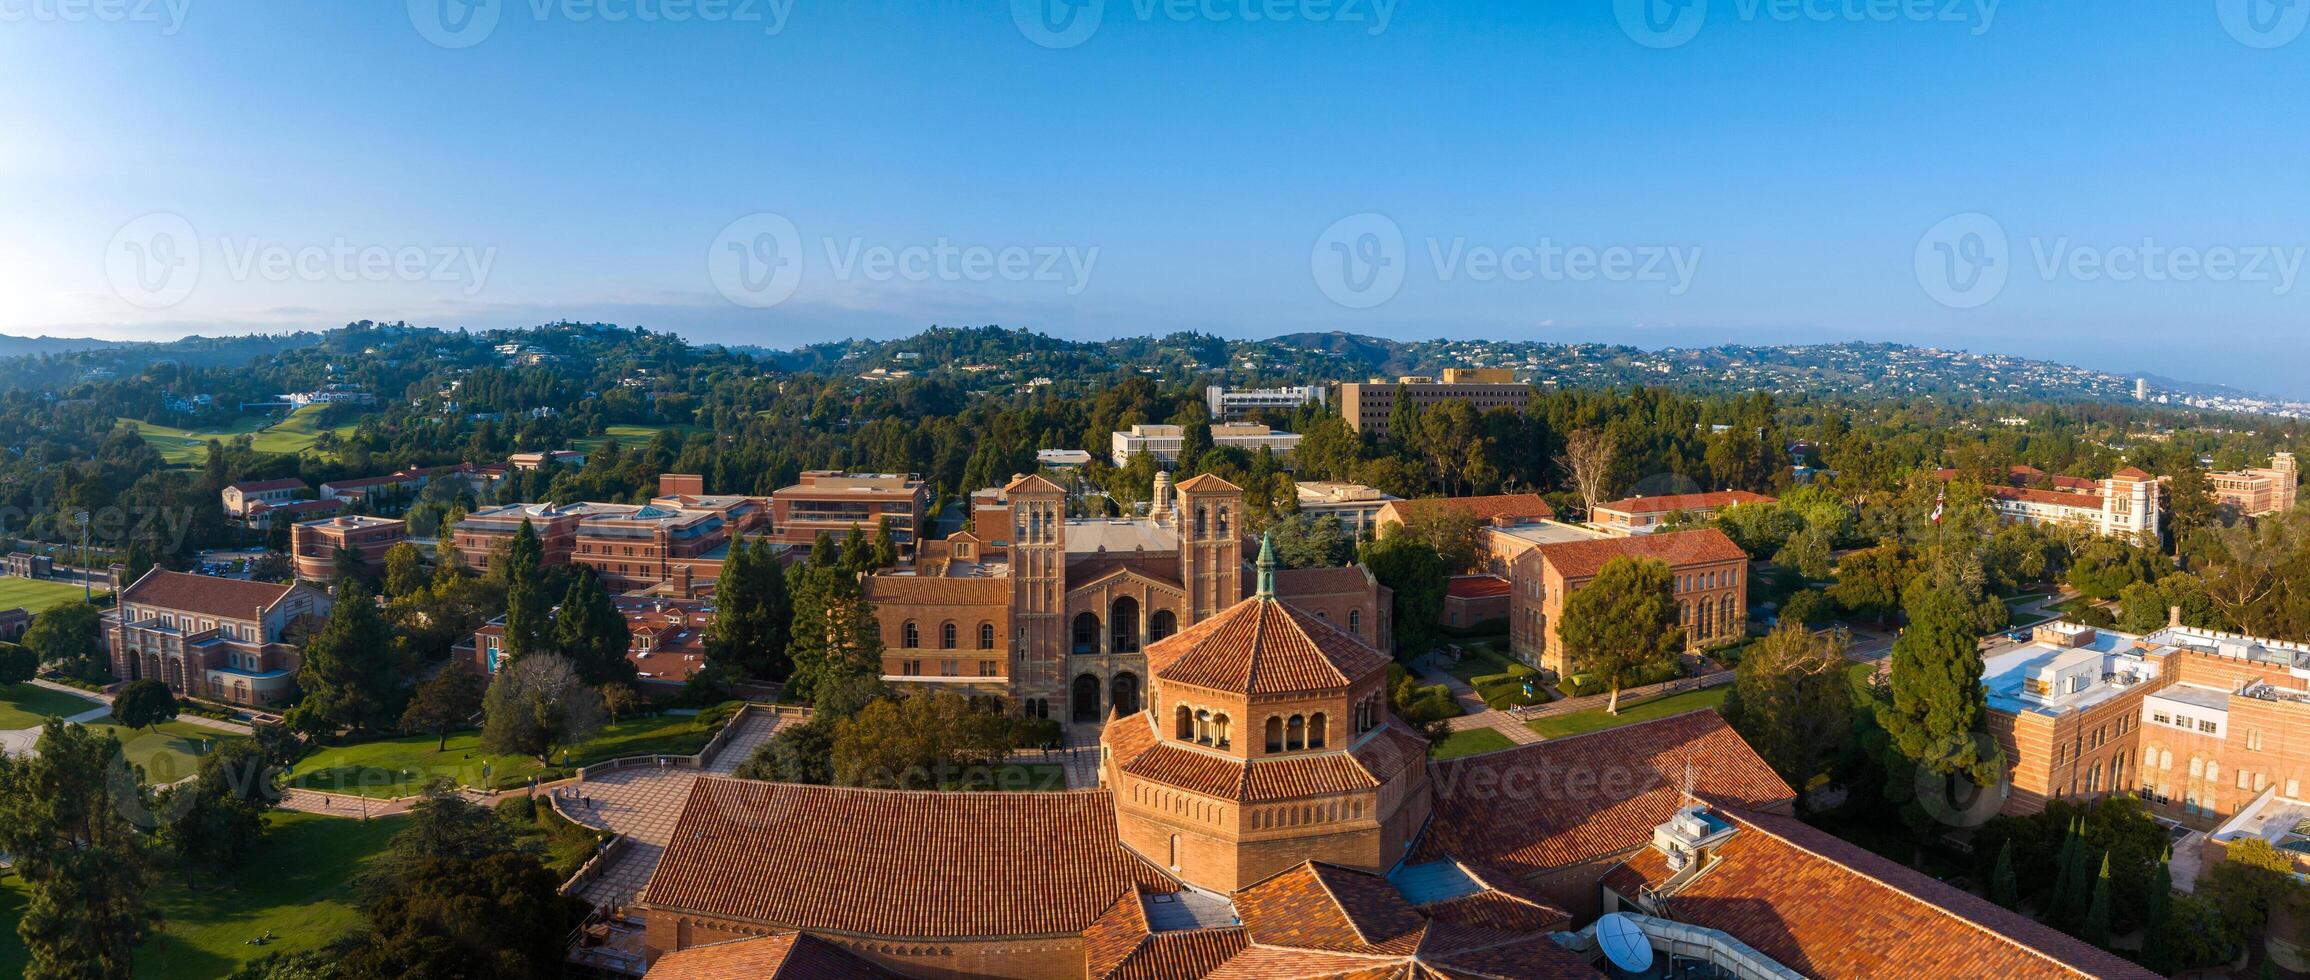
(2257, 492)
(1367, 406)
(679, 537)
(831, 502)
(1233, 403)
(1164, 442)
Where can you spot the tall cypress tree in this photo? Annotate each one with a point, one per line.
(2095, 930)
(590, 631)
(1938, 702)
(752, 615)
(2004, 889)
(526, 612)
(349, 672)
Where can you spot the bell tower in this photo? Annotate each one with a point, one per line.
(1038, 594)
(1210, 545)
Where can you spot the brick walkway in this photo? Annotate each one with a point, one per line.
(1476, 714)
(642, 803)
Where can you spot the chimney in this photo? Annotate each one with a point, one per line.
(2174, 616)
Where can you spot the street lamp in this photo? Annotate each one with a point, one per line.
(81, 518)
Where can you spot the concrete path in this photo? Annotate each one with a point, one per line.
(101, 698)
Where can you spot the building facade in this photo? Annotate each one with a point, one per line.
(1357, 507)
(241, 498)
(832, 502)
(1644, 515)
(2257, 492)
(666, 639)
(315, 545)
(1165, 442)
(1228, 404)
(678, 537)
(2128, 505)
(208, 637)
(1367, 406)
(1711, 589)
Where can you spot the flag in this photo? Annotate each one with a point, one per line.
(1937, 498)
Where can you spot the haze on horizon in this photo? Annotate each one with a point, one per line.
(2115, 187)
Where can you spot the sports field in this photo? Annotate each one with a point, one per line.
(37, 594)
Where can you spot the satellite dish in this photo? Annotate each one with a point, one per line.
(1624, 943)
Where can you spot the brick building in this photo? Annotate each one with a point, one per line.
(240, 499)
(314, 545)
(2257, 492)
(1644, 515)
(204, 636)
(2127, 505)
(1711, 588)
(1057, 612)
(832, 502)
(666, 638)
(1367, 406)
(679, 537)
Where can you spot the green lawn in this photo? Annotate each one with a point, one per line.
(1469, 742)
(294, 886)
(36, 595)
(630, 437)
(1575, 723)
(168, 751)
(403, 766)
(28, 705)
(1481, 659)
(293, 434)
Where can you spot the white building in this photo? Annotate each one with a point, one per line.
(1356, 506)
(1235, 403)
(2126, 505)
(1165, 441)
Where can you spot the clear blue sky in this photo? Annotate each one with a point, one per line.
(600, 170)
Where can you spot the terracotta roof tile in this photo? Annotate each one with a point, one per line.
(1524, 958)
(262, 486)
(1319, 906)
(208, 595)
(1032, 483)
(1673, 502)
(1139, 750)
(2053, 497)
(1476, 586)
(1828, 909)
(1583, 559)
(932, 590)
(1275, 963)
(1261, 646)
(1569, 800)
(1205, 483)
(1292, 777)
(1488, 508)
(786, 956)
(938, 865)
(1187, 953)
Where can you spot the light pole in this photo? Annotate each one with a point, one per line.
(81, 518)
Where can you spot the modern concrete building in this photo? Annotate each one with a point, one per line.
(1366, 406)
(678, 539)
(1164, 442)
(1228, 404)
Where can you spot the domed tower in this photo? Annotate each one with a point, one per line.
(1265, 741)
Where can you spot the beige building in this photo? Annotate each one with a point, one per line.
(1644, 515)
(204, 636)
(1367, 406)
(2256, 492)
(1164, 442)
(1356, 506)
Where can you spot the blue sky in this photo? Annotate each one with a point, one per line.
(785, 171)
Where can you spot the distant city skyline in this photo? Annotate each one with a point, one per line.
(2107, 188)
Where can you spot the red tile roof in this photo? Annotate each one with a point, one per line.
(785, 956)
(262, 486)
(207, 595)
(1583, 559)
(1569, 800)
(1319, 906)
(2053, 497)
(1828, 909)
(1120, 946)
(1510, 505)
(1206, 483)
(1476, 587)
(1138, 750)
(1672, 502)
(1261, 646)
(900, 865)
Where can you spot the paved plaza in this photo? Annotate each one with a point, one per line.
(642, 803)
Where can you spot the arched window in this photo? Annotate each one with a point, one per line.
(1125, 620)
(946, 637)
(1356, 621)
(1203, 727)
(1219, 731)
(1161, 624)
(1222, 523)
(1202, 521)
(909, 637)
(1275, 733)
(1295, 733)
(1087, 633)
(986, 636)
(1316, 730)
(1184, 723)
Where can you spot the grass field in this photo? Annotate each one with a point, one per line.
(295, 886)
(27, 706)
(629, 437)
(294, 434)
(168, 751)
(37, 595)
(403, 766)
(1578, 722)
(1469, 742)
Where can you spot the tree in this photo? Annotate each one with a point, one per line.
(1790, 701)
(2189, 500)
(620, 697)
(1588, 457)
(1807, 607)
(538, 704)
(143, 704)
(1410, 569)
(17, 664)
(884, 548)
(752, 615)
(349, 672)
(1809, 553)
(2253, 881)
(64, 823)
(1623, 624)
(589, 629)
(65, 636)
(446, 702)
(526, 615)
(1938, 705)
(220, 813)
(404, 570)
(1311, 540)
(2003, 889)
(926, 741)
(1452, 533)
(1869, 582)
(457, 895)
(2095, 930)
(835, 634)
